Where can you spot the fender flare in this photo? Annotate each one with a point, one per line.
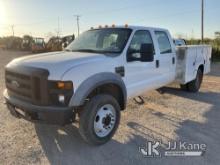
(94, 81)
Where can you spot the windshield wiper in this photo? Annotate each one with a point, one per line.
(86, 50)
(94, 51)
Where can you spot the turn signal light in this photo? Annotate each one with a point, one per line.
(64, 85)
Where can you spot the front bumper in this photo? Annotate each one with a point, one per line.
(44, 114)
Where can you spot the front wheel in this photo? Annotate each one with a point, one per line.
(99, 119)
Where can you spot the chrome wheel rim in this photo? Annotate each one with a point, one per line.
(104, 121)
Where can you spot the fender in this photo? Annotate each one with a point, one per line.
(93, 82)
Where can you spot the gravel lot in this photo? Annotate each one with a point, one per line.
(173, 116)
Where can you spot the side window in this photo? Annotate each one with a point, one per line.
(140, 37)
(163, 41)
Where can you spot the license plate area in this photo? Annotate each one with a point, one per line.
(19, 113)
(13, 110)
(22, 113)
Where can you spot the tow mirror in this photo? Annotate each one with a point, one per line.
(147, 52)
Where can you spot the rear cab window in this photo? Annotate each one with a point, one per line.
(163, 42)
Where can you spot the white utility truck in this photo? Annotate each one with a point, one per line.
(96, 75)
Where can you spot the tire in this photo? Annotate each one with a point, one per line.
(195, 85)
(184, 87)
(99, 119)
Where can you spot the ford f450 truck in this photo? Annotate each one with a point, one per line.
(96, 75)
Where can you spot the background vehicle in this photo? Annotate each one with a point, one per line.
(67, 40)
(26, 43)
(58, 44)
(97, 74)
(3, 46)
(38, 45)
(179, 42)
(54, 44)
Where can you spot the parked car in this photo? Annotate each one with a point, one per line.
(96, 75)
(179, 42)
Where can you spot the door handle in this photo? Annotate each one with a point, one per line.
(157, 63)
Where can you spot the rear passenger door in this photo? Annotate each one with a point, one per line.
(166, 57)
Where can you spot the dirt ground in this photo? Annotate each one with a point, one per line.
(173, 116)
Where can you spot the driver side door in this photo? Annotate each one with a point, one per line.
(140, 76)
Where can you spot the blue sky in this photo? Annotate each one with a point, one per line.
(40, 17)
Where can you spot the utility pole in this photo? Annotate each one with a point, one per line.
(58, 27)
(77, 20)
(13, 32)
(202, 21)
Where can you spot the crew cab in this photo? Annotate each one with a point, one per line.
(96, 75)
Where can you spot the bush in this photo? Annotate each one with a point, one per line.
(215, 53)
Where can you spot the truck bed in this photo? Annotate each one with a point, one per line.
(189, 58)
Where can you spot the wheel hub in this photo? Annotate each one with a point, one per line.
(105, 120)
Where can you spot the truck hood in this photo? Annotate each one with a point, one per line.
(57, 63)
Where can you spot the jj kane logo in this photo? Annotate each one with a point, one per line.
(151, 149)
(173, 149)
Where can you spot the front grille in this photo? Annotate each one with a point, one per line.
(30, 84)
(18, 85)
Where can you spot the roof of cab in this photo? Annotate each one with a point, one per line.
(133, 27)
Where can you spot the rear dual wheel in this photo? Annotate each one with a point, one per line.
(194, 85)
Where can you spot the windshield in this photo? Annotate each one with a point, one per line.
(109, 40)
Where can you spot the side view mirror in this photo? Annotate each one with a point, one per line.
(147, 52)
(131, 55)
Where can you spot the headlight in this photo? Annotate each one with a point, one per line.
(61, 98)
(60, 92)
